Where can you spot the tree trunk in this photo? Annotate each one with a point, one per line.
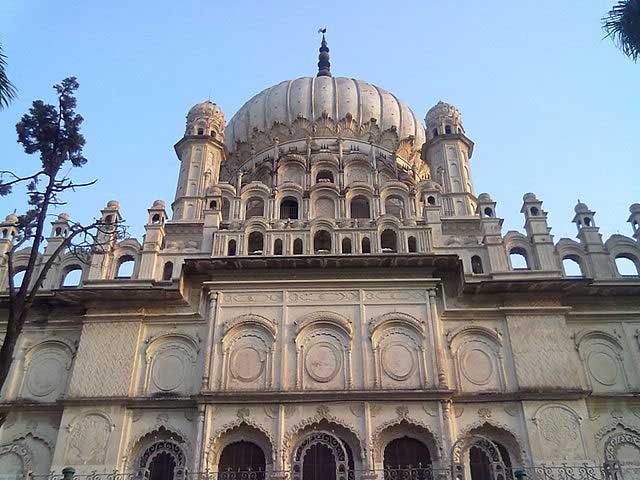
(14, 328)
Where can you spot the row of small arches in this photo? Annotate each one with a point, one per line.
(323, 244)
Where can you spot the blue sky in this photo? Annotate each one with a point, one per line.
(552, 107)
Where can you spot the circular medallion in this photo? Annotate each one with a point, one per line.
(322, 362)
(168, 371)
(476, 366)
(603, 368)
(246, 364)
(45, 374)
(397, 361)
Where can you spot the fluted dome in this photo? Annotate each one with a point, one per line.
(311, 97)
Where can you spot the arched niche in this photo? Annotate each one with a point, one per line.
(239, 432)
(171, 361)
(156, 450)
(461, 457)
(399, 357)
(509, 445)
(15, 459)
(323, 351)
(88, 438)
(477, 357)
(248, 353)
(332, 447)
(46, 370)
(602, 356)
(622, 447)
(404, 429)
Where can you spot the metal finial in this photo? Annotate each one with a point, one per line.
(324, 66)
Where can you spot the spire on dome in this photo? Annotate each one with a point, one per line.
(324, 67)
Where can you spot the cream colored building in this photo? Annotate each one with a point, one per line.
(330, 298)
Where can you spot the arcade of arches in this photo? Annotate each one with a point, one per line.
(330, 452)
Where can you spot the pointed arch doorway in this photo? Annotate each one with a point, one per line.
(321, 455)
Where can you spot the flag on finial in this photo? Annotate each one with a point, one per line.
(324, 66)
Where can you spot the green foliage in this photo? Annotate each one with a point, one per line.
(7, 89)
(622, 25)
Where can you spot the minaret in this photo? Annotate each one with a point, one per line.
(448, 150)
(201, 153)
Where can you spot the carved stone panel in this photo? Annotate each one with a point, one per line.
(544, 355)
(90, 377)
(477, 356)
(323, 361)
(603, 359)
(249, 362)
(46, 371)
(88, 440)
(171, 363)
(559, 433)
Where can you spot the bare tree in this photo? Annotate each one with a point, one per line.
(53, 132)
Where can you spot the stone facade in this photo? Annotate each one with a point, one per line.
(329, 279)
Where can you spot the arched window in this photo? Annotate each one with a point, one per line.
(572, 267)
(255, 245)
(627, 266)
(480, 464)
(255, 207)
(242, 460)
(72, 277)
(488, 212)
(297, 246)
(213, 205)
(519, 259)
(162, 467)
(412, 244)
(231, 248)
(534, 211)
(319, 463)
(289, 208)
(155, 219)
(360, 207)
(226, 208)
(447, 129)
(407, 454)
(201, 131)
(389, 241)
(476, 264)
(126, 265)
(167, 271)
(394, 205)
(322, 242)
(431, 200)
(346, 245)
(366, 245)
(324, 176)
(277, 247)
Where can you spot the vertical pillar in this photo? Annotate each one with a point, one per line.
(436, 333)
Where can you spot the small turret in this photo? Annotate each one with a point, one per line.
(539, 232)
(491, 227)
(153, 239)
(59, 231)
(105, 240)
(591, 239)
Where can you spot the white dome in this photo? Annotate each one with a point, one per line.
(310, 97)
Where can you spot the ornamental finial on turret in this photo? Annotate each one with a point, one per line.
(324, 66)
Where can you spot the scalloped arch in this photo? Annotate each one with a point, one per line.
(324, 317)
(478, 330)
(250, 319)
(395, 318)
